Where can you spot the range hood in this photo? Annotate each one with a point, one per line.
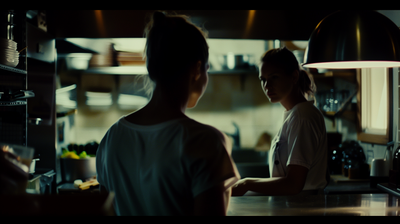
(228, 24)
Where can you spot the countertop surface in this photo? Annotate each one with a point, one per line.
(377, 204)
(342, 185)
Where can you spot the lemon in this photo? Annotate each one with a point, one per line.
(70, 155)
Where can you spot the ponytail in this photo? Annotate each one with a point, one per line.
(173, 46)
(306, 84)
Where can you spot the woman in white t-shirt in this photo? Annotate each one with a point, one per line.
(156, 160)
(298, 154)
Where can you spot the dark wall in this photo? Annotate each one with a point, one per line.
(267, 24)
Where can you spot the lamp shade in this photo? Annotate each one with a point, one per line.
(353, 39)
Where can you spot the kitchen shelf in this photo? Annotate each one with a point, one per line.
(13, 103)
(232, 72)
(12, 69)
(334, 114)
(343, 74)
(142, 70)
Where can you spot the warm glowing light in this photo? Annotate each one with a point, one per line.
(353, 64)
(100, 22)
(249, 24)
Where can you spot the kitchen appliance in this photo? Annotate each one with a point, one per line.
(379, 172)
(379, 167)
(33, 165)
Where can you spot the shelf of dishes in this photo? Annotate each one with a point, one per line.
(15, 97)
(333, 103)
(12, 69)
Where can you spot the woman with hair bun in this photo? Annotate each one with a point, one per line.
(157, 160)
(298, 154)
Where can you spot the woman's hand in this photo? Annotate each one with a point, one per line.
(12, 177)
(239, 188)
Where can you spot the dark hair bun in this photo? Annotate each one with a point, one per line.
(158, 16)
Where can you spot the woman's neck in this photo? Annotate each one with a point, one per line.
(163, 106)
(294, 98)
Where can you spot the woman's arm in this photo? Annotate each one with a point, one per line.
(292, 184)
(213, 201)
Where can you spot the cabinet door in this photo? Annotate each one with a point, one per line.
(375, 105)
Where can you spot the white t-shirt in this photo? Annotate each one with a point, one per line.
(301, 141)
(159, 169)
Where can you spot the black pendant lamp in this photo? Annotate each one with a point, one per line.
(353, 39)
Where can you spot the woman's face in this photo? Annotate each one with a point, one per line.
(198, 88)
(275, 83)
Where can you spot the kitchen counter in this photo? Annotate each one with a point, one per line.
(339, 185)
(57, 205)
(379, 204)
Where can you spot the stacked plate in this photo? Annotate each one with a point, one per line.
(8, 52)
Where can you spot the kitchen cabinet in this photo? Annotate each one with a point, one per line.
(41, 69)
(363, 124)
